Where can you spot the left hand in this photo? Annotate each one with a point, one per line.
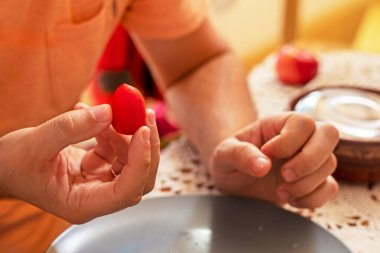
(41, 166)
(286, 158)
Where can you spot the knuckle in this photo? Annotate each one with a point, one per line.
(88, 114)
(146, 163)
(156, 144)
(306, 121)
(134, 201)
(314, 202)
(318, 203)
(149, 188)
(222, 149)
(331, 192)
(334, 189)
(283, 150)
(303, 190)
(217, 152)
(298, 190)
(303, 165)
(65, 124)
(331, 132)
(333, 163)
(242, 150)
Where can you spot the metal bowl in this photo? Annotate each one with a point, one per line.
(355, 112)
(201, 224)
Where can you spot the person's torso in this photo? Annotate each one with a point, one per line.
(48, 54)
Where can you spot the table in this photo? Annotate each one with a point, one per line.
(354, 216)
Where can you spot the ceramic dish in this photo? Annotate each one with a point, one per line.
(199, 224)
(356, 114)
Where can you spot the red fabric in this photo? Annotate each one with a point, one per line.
(115, 54)
(121, 55)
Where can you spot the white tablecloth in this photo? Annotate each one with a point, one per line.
(354, 216)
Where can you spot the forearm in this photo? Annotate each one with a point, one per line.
(212, 102)
(203, 82)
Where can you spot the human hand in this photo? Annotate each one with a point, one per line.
(39, 165)
(285, 158)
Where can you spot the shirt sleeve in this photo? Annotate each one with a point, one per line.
(164, 19)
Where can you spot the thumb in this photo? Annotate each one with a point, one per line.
(243, 156)
(73, 127)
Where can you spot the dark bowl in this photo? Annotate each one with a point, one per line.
(356, 114)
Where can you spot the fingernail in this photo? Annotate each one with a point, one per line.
(151, 118)
(283, 195)
(289, 175)
(102, 113)
(146, 134)
(259, 164)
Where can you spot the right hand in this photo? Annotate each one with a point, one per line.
(284, 158)
(40, 166)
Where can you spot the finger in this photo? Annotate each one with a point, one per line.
(292, 133)
(100, 169)
(127, 188)
(316, 151)
(155, 151)
(120, 147)
(132, 179)
(117, 166)
(242, 156)
(111, 145)
(326, 191)
(73, 127)
(306, 185)
(103, 147)
(122, 156)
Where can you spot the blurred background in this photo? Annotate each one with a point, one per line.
(256, 28)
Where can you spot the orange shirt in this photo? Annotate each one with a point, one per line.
(48, 54)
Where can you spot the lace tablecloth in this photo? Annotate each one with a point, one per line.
(354, 216)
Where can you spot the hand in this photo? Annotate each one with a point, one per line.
(39, 165)
(285, 158)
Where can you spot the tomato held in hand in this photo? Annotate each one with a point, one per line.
(128, 109)
(295, 66)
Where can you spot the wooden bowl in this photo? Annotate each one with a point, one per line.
(356, 114)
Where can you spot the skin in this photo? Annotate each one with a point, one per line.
(76, 184)
(285, 158)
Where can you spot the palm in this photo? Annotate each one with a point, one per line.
(77, 176)
(75, 184)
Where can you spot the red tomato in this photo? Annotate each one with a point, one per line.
(128, 109)
(295, 66)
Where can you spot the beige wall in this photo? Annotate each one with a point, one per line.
(253, 27)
